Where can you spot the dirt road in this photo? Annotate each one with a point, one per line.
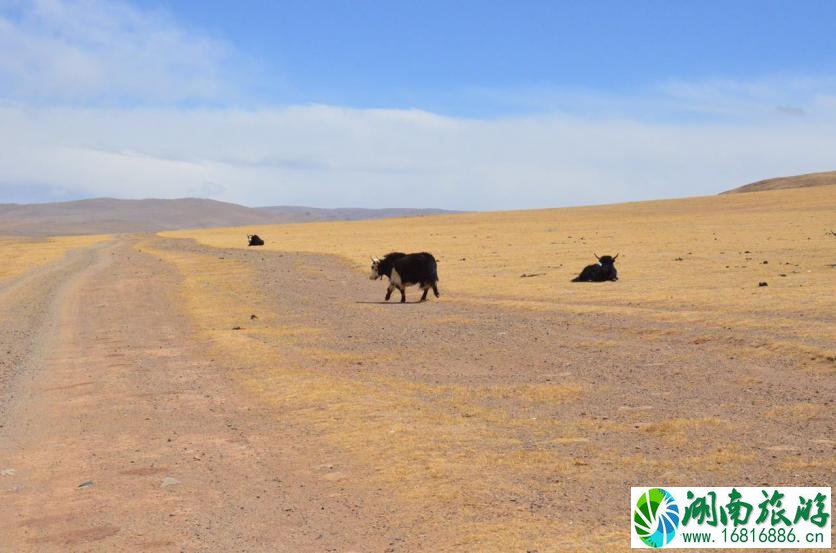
(135, 416)
(115, 393)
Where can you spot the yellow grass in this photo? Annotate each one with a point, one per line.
(483, 255)
(802, 465)
(679, 431)
(18, 255)
(677, 470)
(803, 411)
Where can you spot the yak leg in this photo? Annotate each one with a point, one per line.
(403, 294)
(389, 291)
(424, 296)
(435, 289)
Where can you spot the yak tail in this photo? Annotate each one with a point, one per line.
(434, 271)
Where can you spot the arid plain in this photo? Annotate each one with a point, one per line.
(181, 391)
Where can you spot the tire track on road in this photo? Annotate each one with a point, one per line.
(129, 437)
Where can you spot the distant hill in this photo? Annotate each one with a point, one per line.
(798, 181)
(110, 216)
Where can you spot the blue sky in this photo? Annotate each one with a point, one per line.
(432, 55)
(471, 105)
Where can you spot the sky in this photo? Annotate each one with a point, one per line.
(460, 105)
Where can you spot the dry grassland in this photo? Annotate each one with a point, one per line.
(696, 260)
(18, 254)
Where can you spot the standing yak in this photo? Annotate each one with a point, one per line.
(254, 240)
(600, 272)
(407, 270)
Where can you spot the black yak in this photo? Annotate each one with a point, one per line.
(407, 270)
(254, 240)
(600, 272)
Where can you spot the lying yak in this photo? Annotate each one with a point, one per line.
(600, 272)
(407, 270)
(254, 240)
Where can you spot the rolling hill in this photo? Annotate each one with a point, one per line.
(797, 181)
(109, 215)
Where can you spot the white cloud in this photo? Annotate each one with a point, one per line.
(333, 156)
(83, 50)
(750, 99)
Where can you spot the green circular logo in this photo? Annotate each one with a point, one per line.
(656, 517)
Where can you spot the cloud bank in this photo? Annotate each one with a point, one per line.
(101, 99)
(94, 50)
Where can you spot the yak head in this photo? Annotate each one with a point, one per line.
(375, 274)
(606, 260)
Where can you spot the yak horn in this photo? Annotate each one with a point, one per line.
(596, 256)
(616, 257)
